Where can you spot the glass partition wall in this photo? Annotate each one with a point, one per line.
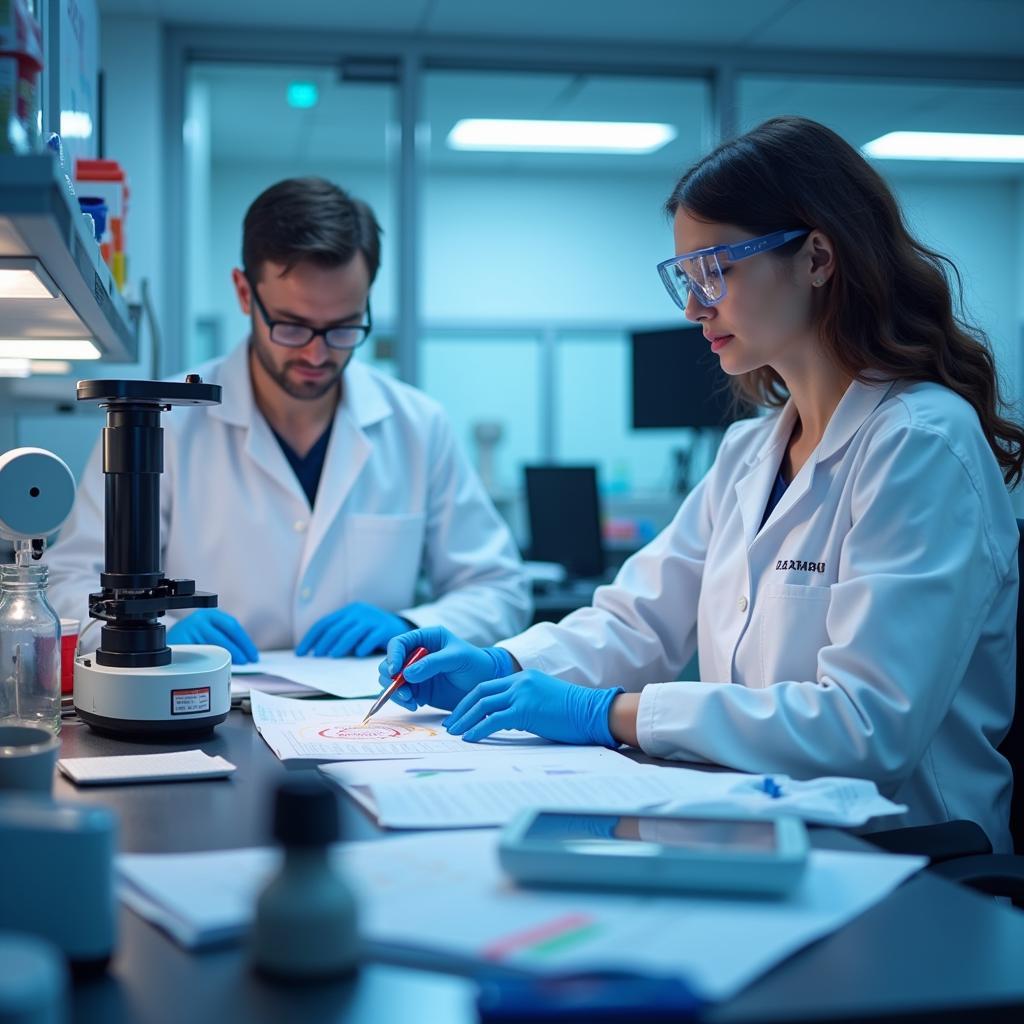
(537, 261)
(514, 274)
(249, 125)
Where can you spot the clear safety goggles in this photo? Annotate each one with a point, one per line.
(700, 271)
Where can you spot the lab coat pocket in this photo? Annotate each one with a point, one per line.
(383, 554)
(792, 631)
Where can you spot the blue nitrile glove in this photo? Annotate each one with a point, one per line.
(357, 630)
(535, 703)
(212, 626)
(447, 674)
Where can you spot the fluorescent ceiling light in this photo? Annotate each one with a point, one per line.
(15, 367)
(48, 348)
(303, 95)
(560, 136)
(946, 146)
(25, 279)
(50, 366)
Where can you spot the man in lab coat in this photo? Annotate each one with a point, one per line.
(316, 496)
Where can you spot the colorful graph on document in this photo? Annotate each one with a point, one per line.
(547, 939)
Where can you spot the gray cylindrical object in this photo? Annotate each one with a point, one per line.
(33, 982)
(28, 756)
(306, 918)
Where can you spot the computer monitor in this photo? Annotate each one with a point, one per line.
(565, 518)
(677, 381)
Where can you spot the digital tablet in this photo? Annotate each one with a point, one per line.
(610, 850)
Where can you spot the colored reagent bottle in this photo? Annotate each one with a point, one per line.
(305, 927)
(29, 649)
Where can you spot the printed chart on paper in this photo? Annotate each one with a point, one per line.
(332, 730)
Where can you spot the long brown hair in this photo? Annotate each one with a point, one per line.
(888, 307)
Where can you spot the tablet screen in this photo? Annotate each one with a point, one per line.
(698, 834)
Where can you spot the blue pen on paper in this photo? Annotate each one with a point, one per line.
(584, 998)
(771, 787)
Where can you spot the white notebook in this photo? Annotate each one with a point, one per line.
(176, 766)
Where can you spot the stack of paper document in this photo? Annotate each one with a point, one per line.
(341, 677)
(243, 685)
(332, 730)
(482, 791)
(478, 761)
(498, 769)
(455, 784)
(441, 901)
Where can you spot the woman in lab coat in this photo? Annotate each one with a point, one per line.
(847, 568)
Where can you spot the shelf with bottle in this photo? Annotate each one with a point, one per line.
(73, 309)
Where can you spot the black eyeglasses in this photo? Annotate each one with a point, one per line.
(293, 335)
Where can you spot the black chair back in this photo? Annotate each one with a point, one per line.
(1012, 747)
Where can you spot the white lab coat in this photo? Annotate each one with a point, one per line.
(867, 630)
(396, 499)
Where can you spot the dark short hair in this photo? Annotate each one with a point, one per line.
(308, 220)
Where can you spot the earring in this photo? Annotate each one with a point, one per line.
(818, 281)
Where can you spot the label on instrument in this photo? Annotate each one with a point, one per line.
(190, 702)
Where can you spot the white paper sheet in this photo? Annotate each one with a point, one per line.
(551, 759)
(341, 677)
(459, 800)
(409, 886)
(242, 685)
(331, 730)
(445, 802)
(487, 763)
(177, 765)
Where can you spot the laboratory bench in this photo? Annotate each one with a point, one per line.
(930, 951)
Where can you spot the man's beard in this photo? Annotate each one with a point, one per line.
(303, 390)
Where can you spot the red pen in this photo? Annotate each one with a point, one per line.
(396, 682)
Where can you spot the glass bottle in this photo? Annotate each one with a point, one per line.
(29, 649)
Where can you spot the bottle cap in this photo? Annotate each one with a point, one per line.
(305, 812)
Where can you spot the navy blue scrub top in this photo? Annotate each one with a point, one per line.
(778, 490)
(307, 468)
